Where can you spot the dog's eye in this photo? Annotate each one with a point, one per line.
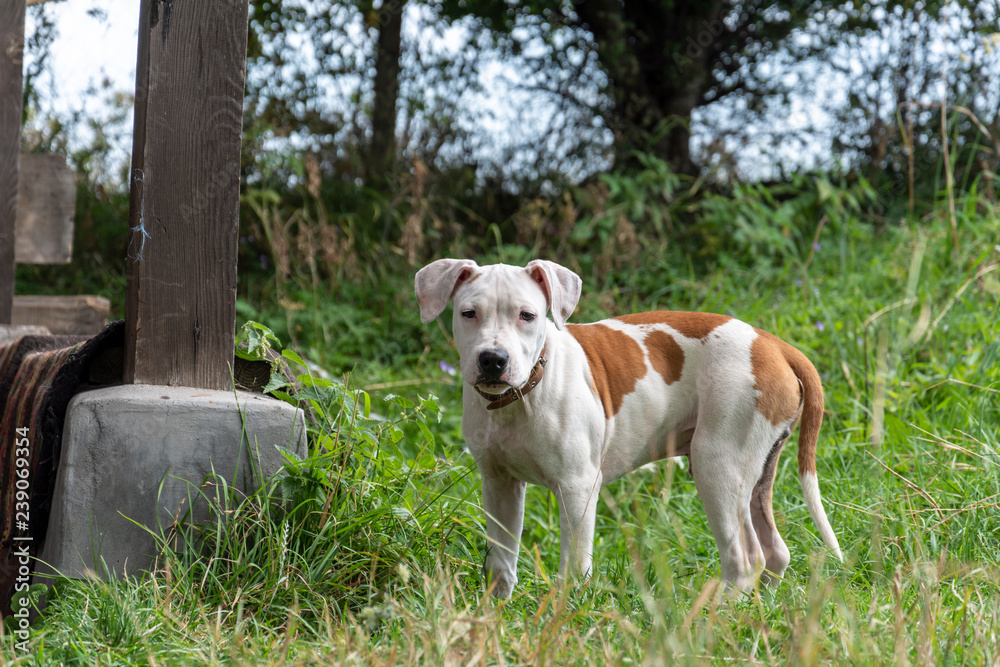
(527, 317)
(468, 314)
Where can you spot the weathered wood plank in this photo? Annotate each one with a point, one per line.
(11, 62)
(81, 315)
(9, 333)
(46, 204)
(181, 259)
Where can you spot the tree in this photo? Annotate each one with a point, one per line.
(338, 79)
(663, 58)
(382, 143)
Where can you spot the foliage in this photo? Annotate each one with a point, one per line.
(892, 124)
(602, 82)
(311, 87)
(368, 550)
(373, 498)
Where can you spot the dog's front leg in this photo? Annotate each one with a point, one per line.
(503, 500)
(577, 516)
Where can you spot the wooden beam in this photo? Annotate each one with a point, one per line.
(11, 59)
(80, 315)
(46, 204)
(180, 307)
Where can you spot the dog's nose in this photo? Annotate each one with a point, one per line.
(493, 362)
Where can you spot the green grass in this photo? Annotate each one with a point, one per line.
(369, 551)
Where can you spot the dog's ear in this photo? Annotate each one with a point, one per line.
(560, 286)
(436, 282)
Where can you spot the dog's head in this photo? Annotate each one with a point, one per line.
(498, 313)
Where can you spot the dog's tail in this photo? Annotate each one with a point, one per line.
(812, 418)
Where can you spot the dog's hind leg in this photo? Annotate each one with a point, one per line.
(503, 500)
(776, 555)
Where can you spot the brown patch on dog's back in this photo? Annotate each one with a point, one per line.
(616, 362)
(666, 356)
(779, 397)
(689, 325)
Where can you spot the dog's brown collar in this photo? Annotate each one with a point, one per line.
(515, 394)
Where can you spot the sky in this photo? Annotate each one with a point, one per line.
(92, 57)
(97, 39)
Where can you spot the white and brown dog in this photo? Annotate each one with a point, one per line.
(574, 406)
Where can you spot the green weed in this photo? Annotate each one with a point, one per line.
(368, 550)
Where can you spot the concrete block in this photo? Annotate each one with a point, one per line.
(120, 444)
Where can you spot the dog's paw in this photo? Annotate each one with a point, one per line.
(502, 590)
(500, 585)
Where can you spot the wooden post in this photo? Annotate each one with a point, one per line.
(180, 307)
(11, 58)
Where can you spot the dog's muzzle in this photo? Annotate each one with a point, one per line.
(493, 365)
(514, 394)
